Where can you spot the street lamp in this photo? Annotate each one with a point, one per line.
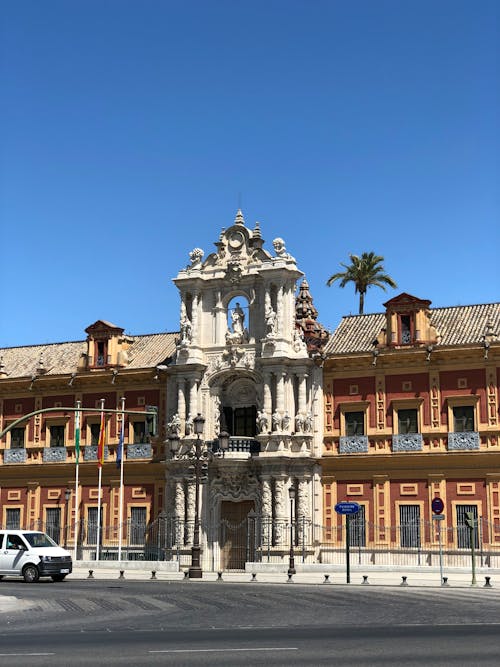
(67, 496)
(291, 560)
(199, 458)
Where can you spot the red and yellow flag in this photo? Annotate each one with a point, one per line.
(100, 443)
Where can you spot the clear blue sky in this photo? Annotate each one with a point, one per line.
(130, 132)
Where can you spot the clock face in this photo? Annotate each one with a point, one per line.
(236, 239)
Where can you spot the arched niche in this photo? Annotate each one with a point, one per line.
(238, 319)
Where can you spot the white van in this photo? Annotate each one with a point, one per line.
(31, 554)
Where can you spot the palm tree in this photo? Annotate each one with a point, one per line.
(364, 272)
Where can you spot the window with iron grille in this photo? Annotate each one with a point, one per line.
(407, 421)
(463, 418)
(354, 423)
(13, 518)
(57, 435)
(357, 528)
(463, 530)
(137, 525)
(17, 438)
(53, 523)
(91, 525)
(409, 525)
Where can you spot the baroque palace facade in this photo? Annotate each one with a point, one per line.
(390, 411)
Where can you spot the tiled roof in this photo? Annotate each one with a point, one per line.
(457, 325)
(62, 358)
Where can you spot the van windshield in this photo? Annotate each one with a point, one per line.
(39, 540)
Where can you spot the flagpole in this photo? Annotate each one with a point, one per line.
(77, 457)
(100, 458)
(122, 457)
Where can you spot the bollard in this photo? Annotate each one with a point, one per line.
(219, 576)
(487, 584)
(91, 574)
(404, 582)
(153, 574)
(122, 574)
(365, 580)
(327, 579)
(254, 577)
(290, 579)
(445, 582)
(186, 574)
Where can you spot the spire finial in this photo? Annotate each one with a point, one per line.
(239, 219)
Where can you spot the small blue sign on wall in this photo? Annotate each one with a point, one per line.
(347, 508)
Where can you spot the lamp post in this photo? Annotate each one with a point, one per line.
(199, 457)
(291, 560)
(67, 496)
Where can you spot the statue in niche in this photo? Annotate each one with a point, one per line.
(186, 330)
(276, 420)
(238, 319)
(196, 255)
(298, 340)
(262, 421)
(174, 425)
(308, 423)
(189, 425)
(270, 322)
(285, 422)
(299, 422)
(280, 249)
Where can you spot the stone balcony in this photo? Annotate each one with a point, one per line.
(353, 444)
(407, 442)
(466, 440)
(142, 450)
(54, 455)
(18, 455)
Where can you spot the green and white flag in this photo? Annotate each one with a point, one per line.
(77, 436)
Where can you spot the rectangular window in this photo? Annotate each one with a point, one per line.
(241, 421)
(409, 525)
(357, 528)
(95, 429)
(140, 435)
(13, 518)
(407, 421)
(57, 435)
(463, 418)
(463, 530)
(53, 523)
(17, 438)
(355, 423)
(91, 525)
(137, 525)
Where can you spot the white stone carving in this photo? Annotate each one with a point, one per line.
(308, 423)
(299, 422)
(280, 249)
(186, 330)
(189, 425)
(196, 255)
(262, 422)
(174, 425)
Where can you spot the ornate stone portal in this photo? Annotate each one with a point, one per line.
(243, 361)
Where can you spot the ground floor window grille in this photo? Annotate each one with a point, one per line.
(409, 525)
(53, 523)
(92, 525)
(357, 528)
(463, 530)
(13, 518)
(137, 525)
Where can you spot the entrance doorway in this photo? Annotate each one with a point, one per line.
(236, 538)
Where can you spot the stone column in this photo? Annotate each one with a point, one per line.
(303, 505)
(179, 511)
(280, 509)
(302, 402)
(280, 393)
(195, 319)
(267, 510)
(191, 491)
(193, 397)
(279, 308)
(181, 399)
(268, 401)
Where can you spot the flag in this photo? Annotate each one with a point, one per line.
(100, 444)
(119, 451)
(77, 436)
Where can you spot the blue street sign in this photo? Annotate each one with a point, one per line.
(347, 508)
(437, 505)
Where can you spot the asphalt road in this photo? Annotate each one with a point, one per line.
(199, 623)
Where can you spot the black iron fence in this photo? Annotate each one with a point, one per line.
(229, 546)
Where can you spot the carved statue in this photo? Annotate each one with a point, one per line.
(276, 419)
(280, 249)
(308, 423)
(189, 425)
(285, 422)
(174, 425)
(298, 340)
(196, 255)
(270, 321)
(186, 330)
(299, 422)
(238, 319)
(262, 421)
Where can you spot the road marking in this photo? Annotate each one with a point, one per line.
(22, 655)
(225, 650)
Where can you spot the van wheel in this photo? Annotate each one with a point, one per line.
(1, 577)
(31, 574)
(58, 577)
